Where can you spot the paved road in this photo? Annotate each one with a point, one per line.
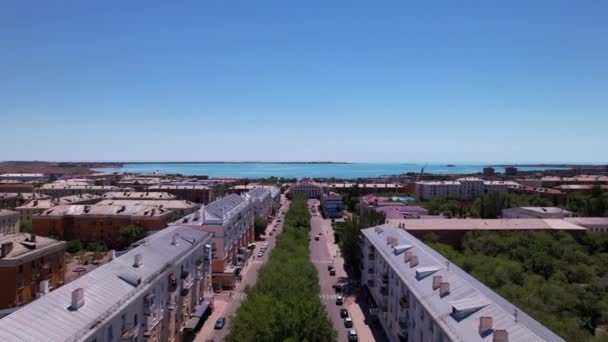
(321, 258)
(249, 277)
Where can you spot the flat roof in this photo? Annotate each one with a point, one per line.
(22, 175)
(50, 318)
(465, 292)
(4, 212)
(486, 224)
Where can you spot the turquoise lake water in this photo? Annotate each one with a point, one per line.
(259, 170)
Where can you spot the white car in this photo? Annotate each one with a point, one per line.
(260, 254)
(265, 244)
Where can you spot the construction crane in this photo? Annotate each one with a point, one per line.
(421, 172)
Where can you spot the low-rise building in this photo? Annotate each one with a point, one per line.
(553, 194)
(307, 188)
(467, 188)
(197, 193)
(536, 212)
(23, 177)
(593, 224)
(37, 206)
(553, 181)
(9, 221)
(14, 186)
(138, 195)
(148, 294)
(568, 188)
(60, 190)
(451, 231)
(262, 201)
(230, 220)
(30, 266)
(180, 208)
(418, 295)
(331, 204)
(103, 223)
(488, 171)
(393, 207)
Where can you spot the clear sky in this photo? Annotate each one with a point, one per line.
(517, 81)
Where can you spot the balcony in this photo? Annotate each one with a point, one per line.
(371, 256)
(172, 282)
(384, 290)
(188, 280)
(152, 320)
(172, 304)
(129, 333)
(149, 305)
(404, 303)
(370, 270)
(384, 278)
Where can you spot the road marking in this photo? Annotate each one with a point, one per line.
(328, 296)
(239, 295)
(318, 261)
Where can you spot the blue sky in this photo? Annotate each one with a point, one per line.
(517, 81)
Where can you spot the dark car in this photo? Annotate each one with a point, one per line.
(348, 322)
(330, 267)
(339, 300)
(338, 287)
(352, 335)
(343, 313)
(332, 272)
(219, 324)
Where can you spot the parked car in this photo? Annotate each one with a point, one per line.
(343, 313)
(260, 254)
(317, 237)
(348, 322)
(330, 267)
(338, 287)
(352, 335)
(332, 272)
(219, 324)
(339, 300)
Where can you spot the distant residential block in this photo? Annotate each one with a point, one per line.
(488, 171)
(37, 206)
(9, 221)
(138, 195)
(262, 201)
(30, 266)
(418, 295)
(392, 207)
(593, 224)
(466, 188)
(65, 189)
(23, 177)
(148, 294)
(180, 208)
(197, 193)
(536, 212)
(331, 204)
(89, 223)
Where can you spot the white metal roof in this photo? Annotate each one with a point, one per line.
(49, 317)
(465, 293)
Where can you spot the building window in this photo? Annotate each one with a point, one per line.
(20, 268)
(110, 334)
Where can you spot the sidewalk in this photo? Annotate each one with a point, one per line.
(354, 310)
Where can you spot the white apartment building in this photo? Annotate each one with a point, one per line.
(9, 222)
(418, 295)
(262, 201)
(466, 188)
(230, 220)
(147, 294)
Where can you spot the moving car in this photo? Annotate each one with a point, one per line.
(348, 322)
(219, 324)
(352, 335)
(339, 300)
(343, 313)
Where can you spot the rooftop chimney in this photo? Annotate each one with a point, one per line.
(77, 298)
(408, 256)
(138, 260)
(437, 280)
(413, 261)
(501, 336)
(444, 289)
(485, 325)
(174, 239)
(44, 287)
(112, 255)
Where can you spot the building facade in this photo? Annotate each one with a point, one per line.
(150, 294)
(9, 222)
(178, 207)
(331, 204)
(60, 190)
(262, 201)
(418, 295)
(23, 177)
(138, 195)
(38, 206)
(230, 220)
(307, 188)
(103, 223)
(30, 266)
(467, 188)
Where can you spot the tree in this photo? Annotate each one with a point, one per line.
(74, 246)
(259, 226)
(131, 234)
(25, 227)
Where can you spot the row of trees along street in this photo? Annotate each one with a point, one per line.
(284, 305)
